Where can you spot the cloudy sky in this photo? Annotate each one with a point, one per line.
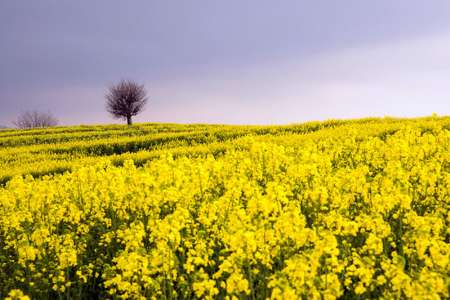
(234, 61)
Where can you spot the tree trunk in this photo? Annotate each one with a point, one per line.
(129, 121)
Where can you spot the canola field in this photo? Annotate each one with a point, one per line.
(351, 209)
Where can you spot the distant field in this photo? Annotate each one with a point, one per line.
(349, 209)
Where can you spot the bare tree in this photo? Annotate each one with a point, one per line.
(35, 119)
(125, 100)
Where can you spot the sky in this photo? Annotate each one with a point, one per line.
(233, 62)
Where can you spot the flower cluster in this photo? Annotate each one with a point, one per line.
(353, 210)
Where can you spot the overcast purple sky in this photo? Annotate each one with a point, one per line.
(233, 61)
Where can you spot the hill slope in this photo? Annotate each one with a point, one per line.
(348, 209)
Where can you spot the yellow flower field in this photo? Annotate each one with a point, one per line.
(351, 209)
